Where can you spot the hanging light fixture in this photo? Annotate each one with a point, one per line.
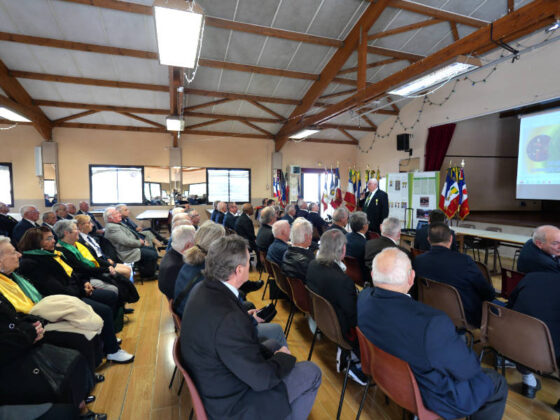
(11, 115)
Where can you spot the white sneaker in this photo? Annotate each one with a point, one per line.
(120, 356)
(338, 354)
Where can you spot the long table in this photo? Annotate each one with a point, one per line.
(511, 239)
(153, 216)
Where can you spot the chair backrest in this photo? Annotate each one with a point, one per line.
(198, 407)
(510, 279)
(519, 337)
(280, 278)
(372, 235)
(300, 295)
(394, 377)
(326, 319)
(445, 298)
(354, 270)
(176, 318)
(415, 252)
(263, 260)
(484, 269)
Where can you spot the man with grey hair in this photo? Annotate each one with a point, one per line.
(221, 212)
(264, 235)
(148, 234)
(61, 211)
(340, 219)
(290, 213)
(298, 255)
(195, 217)
(390, 238)
(49, 219)
(375, 204)
(7, 222)
(29, 217)
(97, 227)
(281, 233)
(301, 208)
(231, 217)
(182, 238)
(237, 375)
(316, 220)
(356, 241)
(449, 376)
(541, 253)
(71, 209)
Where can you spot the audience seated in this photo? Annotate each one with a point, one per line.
(179, 219)
(264, 235)
(390, 237)
(61, 211)
(298, 255)
(541, 252)
(7, 222)
(182, 239)
(51, 275)
(289, 213)
(356, 240)
(221, 212)
(151, 237)
(231, 217)
(84, 209)
(301, 209)
(449, 376)
(71, 209)
(49, 219)
(456, 269)
(29, 217)
(237, 376)
(130, 247)
(245, 228)
(195, 218)
(281, 233)
(538, 295)
(215, 212)
(421, 238)
(340, 219)
(326, 277)
(316, 220)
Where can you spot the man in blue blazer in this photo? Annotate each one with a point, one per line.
(449, 376)
(276, 250)
(231, 216)
(541, 252)
(29, 217)
(456, 269)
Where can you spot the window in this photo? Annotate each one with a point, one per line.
(229, 185)
(196, 189)
(116, 184)
(314, 182)
(152, 190)
(6, 184)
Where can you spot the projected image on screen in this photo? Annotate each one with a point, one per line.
(538, 166)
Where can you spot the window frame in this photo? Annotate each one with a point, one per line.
(91, 166)
(11, 171)
(144, 191)
(227, 169)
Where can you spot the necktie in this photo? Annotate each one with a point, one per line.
(94, 245)
(368, 200)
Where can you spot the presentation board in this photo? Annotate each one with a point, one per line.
(397, 190)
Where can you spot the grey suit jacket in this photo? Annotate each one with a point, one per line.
(124, 241)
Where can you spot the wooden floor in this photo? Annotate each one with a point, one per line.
(139, 390)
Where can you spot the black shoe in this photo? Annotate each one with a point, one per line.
(251, 286)
(90, 415)
(530, 391)
(99, 378)
(128, 310)
(89, 399)
(357, 375)
(557, 406)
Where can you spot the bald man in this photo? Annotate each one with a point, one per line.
(375, 204)
(541, 253)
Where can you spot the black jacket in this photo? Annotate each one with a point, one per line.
(375, 246)
(19, 229)
(341, 229)
(264, 237)
(377, 209)
(295, 262)
(7, 224)
(169, 268)
(317, 222)
(229, 220)
(236, 376)
(532, 258)
(245, 228)
(289, 218)
(421, 239)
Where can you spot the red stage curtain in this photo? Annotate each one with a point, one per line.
(436, 147)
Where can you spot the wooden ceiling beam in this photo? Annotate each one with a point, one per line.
(369, 122)
(204, 124)
(74, 116)
(346, 127)
(256, 127)
(267, 109)
(257, 69)
(232, 117)
(175, 96)
(454, 31)
(437, 13)
(144, 120)
(343, 81)
(510, 6)
(362, 60)
(535, 14)
(368, 18)
(353, 139)
(207, 104)
(405, 28)
(77, 105)
(370, 65)
(19, 101)
(372, 49)
(327, 141)
(336, 94)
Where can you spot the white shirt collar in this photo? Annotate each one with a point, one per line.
(233, 289)
(341, 265)
(360, 233)
(373, 192)
(395, 242)
(31, 221)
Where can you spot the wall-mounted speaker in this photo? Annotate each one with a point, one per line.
(403, 142)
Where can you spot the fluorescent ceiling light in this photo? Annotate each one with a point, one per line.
(175, 123)
(178, 30)
(11, 115)
(304, 133)
(461, 66)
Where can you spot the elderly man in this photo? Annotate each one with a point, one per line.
(301, 208)
(390, 238)
(541, 252)
(316, 220)
(130, 247)
(49, 220)
(356, 241)
(231, 217)
(29, 217)
(289, 214)
(151, 237)
(84, 209)
(298, 255)
(264, 235)
(221, 214)
(449, 376)
(7, 222)
(182, 239)
(179, 219)
(281, 233)
(245, 228)
(456, 269)
(237, 376)
(195, 217)
(71, 208)
(340, 219)
(61, 211)
(375, 204)
(215, 212)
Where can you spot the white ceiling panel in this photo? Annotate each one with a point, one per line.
(42, 90)
(31, 17)
(311, 58)
(278, 53)
(220, 8)
(53, 113)
(238, 50)
(296, 15)
(221, 126)
(234, 81)
(129, 30)
(214, 43)
(258, 12)
(206, 78)
(336, 18)
(292, 88)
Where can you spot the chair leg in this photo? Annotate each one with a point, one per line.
(181, 386)
(172, 377)
(290, 320)
(192, 413)
(265, 286)
(343, 388)
(313, 343)
(363, 398)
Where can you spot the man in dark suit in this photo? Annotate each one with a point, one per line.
(390, 238)
(245, 228)
(215, 212)
(340, 219)
(316, 220)
(276, 250)
(301, 208)
(231, 216)
(375, 204)
(195, 217)
(538, 295)
(71, 209)
(298, 255)
(421, 237)
(97, 227)
(456, 269)
(237, 376)
(221, 212)
(7, 222)
(290, 214)
(449, 376)
(49, 219)
(172, 261)
(264, 235)
(356, 241)
(61, 211)
(541, 252)
(29, 217)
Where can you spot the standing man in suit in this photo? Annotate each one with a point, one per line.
(375, 204)
(237, 376)
(231, 216)
(316, 220)
(84, 209)
(456, 269)
(449, 376)
(7, 222)
(245, 228)
(390, 237)
(290, 214)
(29, 217)
(541, 252)
(340, 219)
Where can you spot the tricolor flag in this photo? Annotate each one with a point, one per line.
(454, 195)
(337, 201)
(350, 196)
(325, 199)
